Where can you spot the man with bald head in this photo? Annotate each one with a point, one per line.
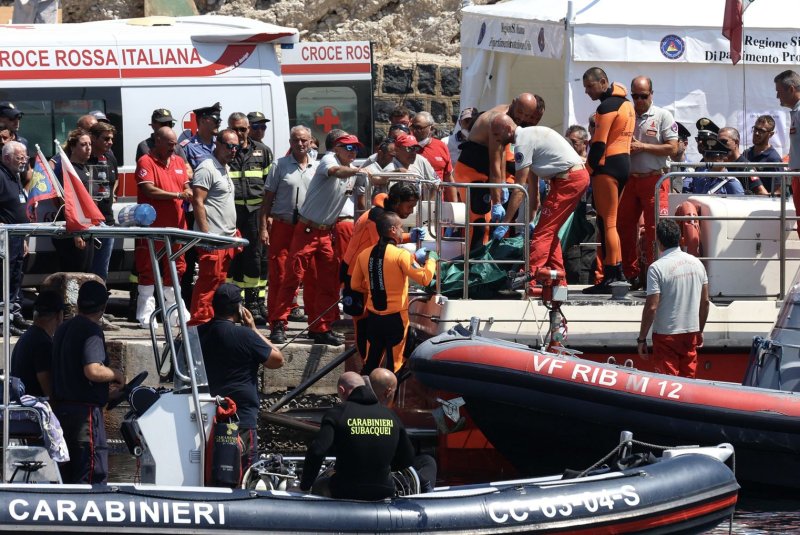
(609, 162)
(163, 183)
(368, 440)
(542, 152)
(655, 140)
(484, 159)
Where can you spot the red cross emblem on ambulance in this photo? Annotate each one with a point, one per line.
(327, 117)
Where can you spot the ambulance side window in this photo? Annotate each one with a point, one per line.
(324, 106)
(51, 113)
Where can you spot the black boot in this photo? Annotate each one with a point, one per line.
(251, 303)
(610, 274)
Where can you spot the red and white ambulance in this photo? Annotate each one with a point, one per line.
(128, 68)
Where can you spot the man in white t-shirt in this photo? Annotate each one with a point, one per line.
(676, 306)
(541, 152)
(214, 213)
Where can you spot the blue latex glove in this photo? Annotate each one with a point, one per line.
(498, 213)
(421, 255)
(499, 232)
(531, 228)
(418, 234)
(506, 193)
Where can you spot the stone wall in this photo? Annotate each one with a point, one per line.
(419, 86)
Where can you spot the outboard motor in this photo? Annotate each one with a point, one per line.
(775, 360)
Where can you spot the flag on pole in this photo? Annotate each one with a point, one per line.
(42, 186)
(732, 25)
(81, 211)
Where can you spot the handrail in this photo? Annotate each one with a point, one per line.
(437, 186)
(468, 225)
(782, 218)
(6, 346)
(152, 234)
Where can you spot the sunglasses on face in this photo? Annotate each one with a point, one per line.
(241, 129)
(349, 147)
(410, 149)
(640, 96)
(231, 146)
(261, 126)
(399, 126)
(757, 130)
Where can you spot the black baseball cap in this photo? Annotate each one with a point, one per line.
(8, 110)
(92, 297)
(48, 302)
(257, 117)
(226, 297)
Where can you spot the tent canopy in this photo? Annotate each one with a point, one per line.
(545, 46)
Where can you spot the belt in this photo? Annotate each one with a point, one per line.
(311, 224)
(282, 219)
(572, 169)
(656, 172)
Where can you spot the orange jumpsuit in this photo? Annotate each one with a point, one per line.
(365, 235)
(609, 159)
(382, 272)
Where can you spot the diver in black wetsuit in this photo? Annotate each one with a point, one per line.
(368, 440)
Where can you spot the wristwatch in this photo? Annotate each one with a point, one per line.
(641, 340)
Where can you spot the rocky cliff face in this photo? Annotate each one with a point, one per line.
(395, 26)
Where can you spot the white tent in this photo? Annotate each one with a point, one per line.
(545, 46)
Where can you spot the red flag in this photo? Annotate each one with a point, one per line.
(81, 211)
(732, 28)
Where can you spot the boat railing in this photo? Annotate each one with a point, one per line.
(159, 241)
(747, 171)
(434, 198)
(469, 226)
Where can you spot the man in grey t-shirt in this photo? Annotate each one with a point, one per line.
(676, 306)
(214, 213)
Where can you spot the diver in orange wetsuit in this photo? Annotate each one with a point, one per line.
(402, 199)
(382, 272)
(609, 160)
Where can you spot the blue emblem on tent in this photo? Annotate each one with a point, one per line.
(672, 46)
(482, 33)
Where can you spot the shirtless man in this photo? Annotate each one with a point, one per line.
(484, 158)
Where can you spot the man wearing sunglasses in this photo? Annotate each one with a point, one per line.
(655, 141)
(248, 170)
(201, 145)
(258, 125)
(312, 240)
(214, 213)
(762, 151)
(408, 158)
(729, 136)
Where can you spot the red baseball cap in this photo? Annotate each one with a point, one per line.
(348, 139)
(406, 140)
